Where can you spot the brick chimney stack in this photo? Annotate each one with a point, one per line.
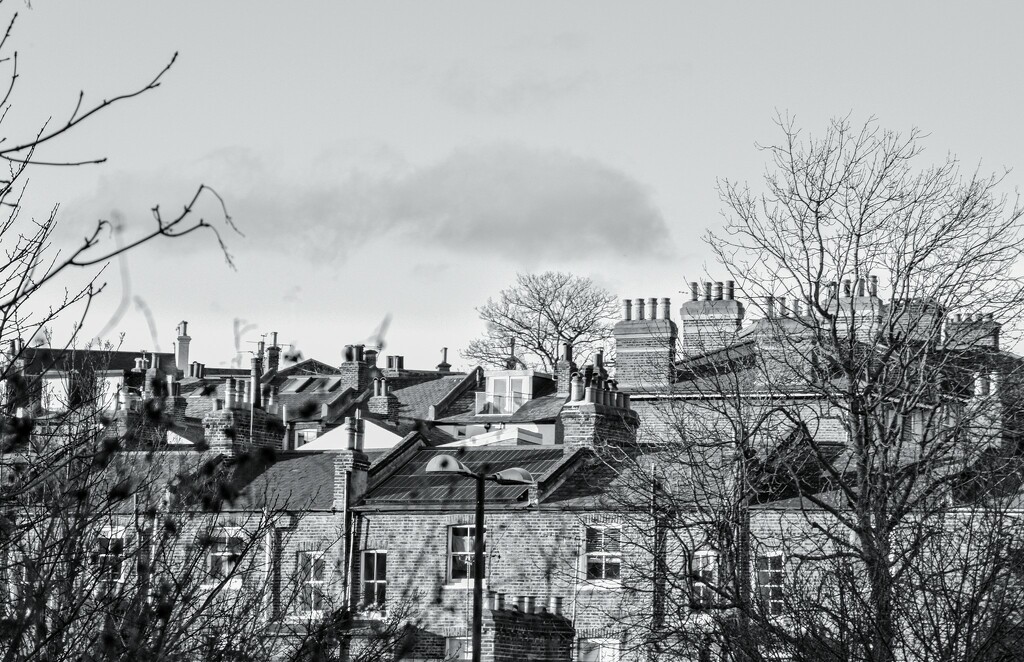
(273, 354)
(596, 415)
(384, 403)
(355, 373)
(645, 345)
(350, 466)
(712, 322)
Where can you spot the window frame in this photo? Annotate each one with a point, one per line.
(464, 651)
(451, 554)
(774, 606)
(607, 649)
(603, 582)
(14, 581)
(702, 590)
(104, 585)
(381, 605)
(306, 581)
(232, 578)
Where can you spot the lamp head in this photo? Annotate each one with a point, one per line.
(447, 464)
(513, 476)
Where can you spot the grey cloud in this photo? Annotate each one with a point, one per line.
(522, 204)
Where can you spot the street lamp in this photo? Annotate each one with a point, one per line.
(446, 464)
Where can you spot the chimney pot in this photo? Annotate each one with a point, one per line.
(652, 307)
(627, 309)
(846, 287)
(666, 308)
(783, 311)
(694, 290)
(769, 307)
(707, 291)
(730, 290)
(718, 291)
(860, 287)
(874, 286)
(640, 309)
(577, 388)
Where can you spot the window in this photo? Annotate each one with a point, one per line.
(375, 578)
(108, 563)
(13, 579)
(223, 557)
(703, 575)
(458, 649)
(311, 568)
(505, 393)
(598, 650)
(603, 557)
(769, 583)
(303, 437)
(460, 554)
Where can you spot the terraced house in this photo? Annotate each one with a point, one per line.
(739, 489)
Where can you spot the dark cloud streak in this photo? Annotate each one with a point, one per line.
(520, 203)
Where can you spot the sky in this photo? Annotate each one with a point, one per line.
(404, 160)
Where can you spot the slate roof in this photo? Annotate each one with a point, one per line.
(544, 408)
(589, 485)
(417, 399)
(541, 409)
(411, 484)
(296, 480)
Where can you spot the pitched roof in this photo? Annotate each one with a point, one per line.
(38, 360)
(410, 484)
(544, 408)
(296, 480)
(417, 399)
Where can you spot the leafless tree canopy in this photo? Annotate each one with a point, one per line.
(533, 317)
(842, 481)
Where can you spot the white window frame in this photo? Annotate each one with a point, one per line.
(773, 606)
(457, 649)
(302, 436)
(704, 562)
(14, 578)
(468, 580)
(602, 582)
(225, 537)
(375, 607)
(607, 650)
(306, 580)
(104, 585)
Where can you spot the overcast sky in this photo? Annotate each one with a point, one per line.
(409, 158)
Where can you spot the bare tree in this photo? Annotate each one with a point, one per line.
(530, 320)
(840, 479)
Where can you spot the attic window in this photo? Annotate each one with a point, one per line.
(505, 394)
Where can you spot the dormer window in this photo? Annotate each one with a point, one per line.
(507, 391)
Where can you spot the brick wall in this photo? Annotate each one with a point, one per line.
(230, 431)
(645, 352)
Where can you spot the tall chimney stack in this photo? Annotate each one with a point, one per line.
(255, 379)
(444, 366)
(273, 354)
(181, 350)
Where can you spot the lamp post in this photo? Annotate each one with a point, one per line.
(447, 464)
